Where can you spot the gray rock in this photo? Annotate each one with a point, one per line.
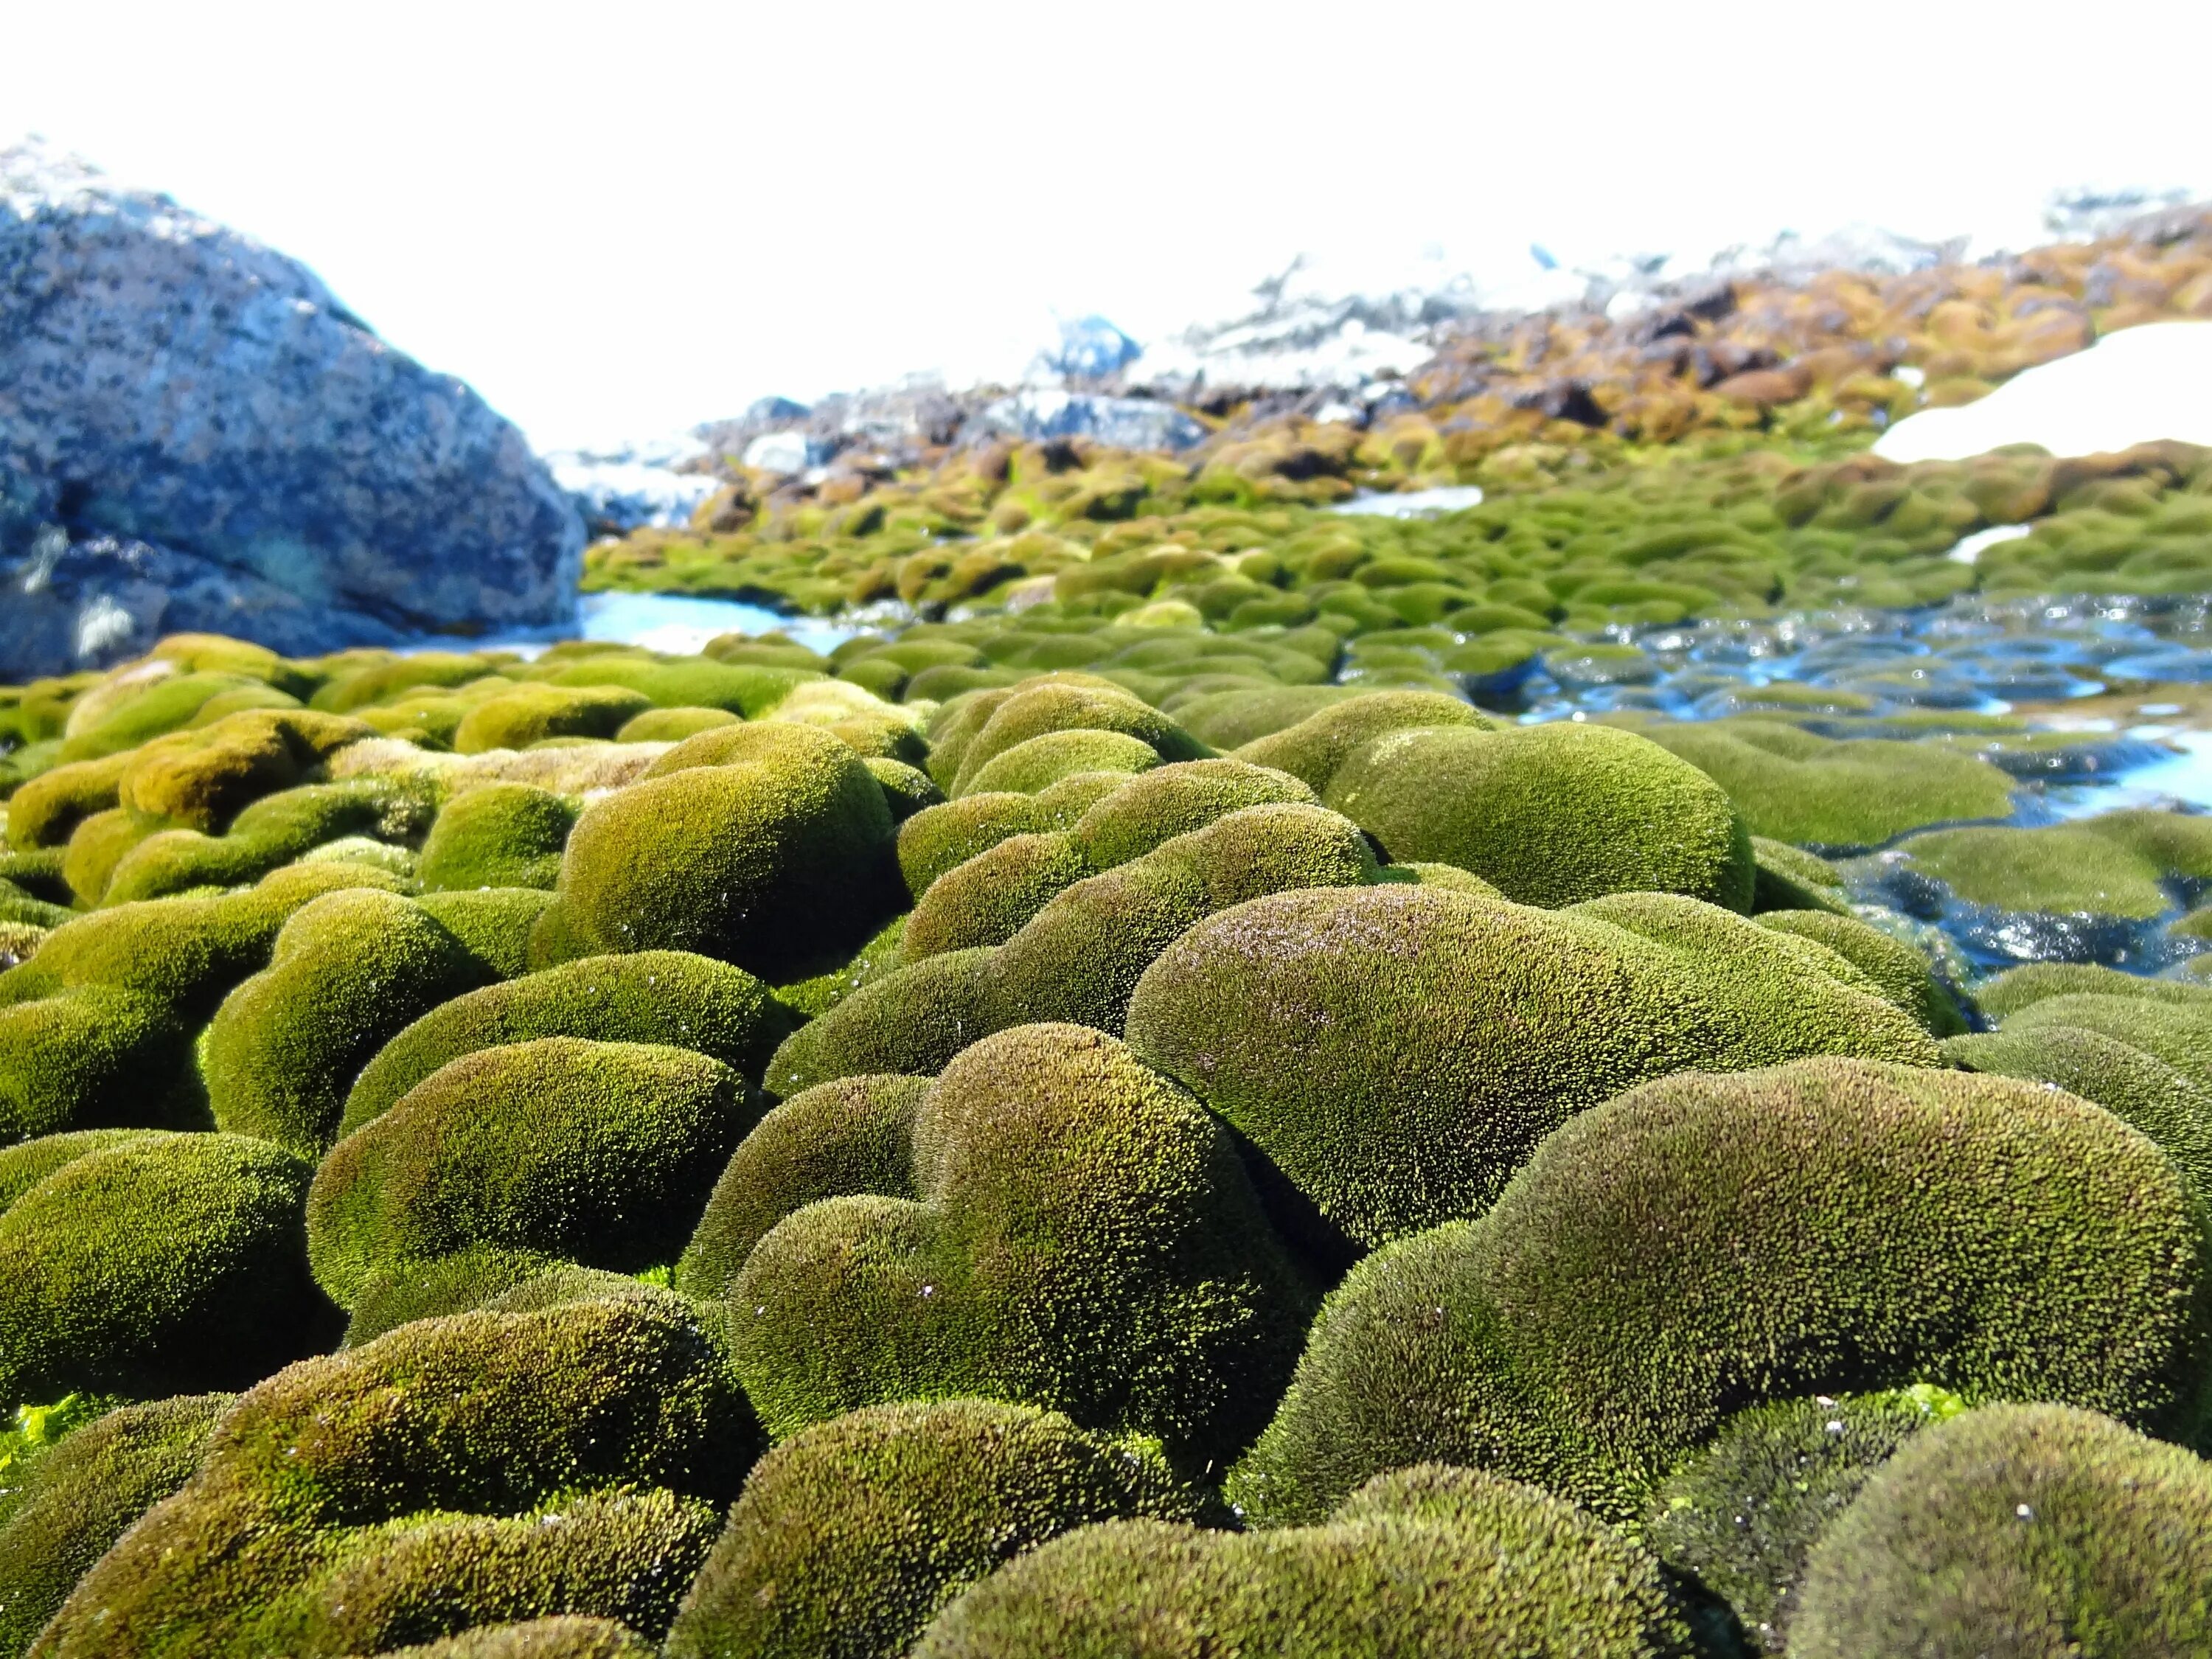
(220, 443)
(1121, 422)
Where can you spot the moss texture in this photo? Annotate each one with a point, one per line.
(1443, 1035)
(1793, 787)
(1427, 1559)
(1033, 711)
(407, 1491)
(850, 1535)
(772, 856)
(1828, 1226)
(2137, 1087)
(1316, 746)
(913, 1020)
(1791, 878)
(1739, 1515)
(2005, 994)
(562, 1636)
(165, 1264)
(1549, 814)
(600, 1152)
(1081, 1237)
(81, 1496)
(502, 835)
(348, 972)
(532, 714)
(2178, 1033)
(671, 998)
(1900, 972)
(2038, 1530)
(2115, 864)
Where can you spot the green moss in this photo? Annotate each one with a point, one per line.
(773, 858)
(850, 1535)
(526, 715)
(1828, 1226)
(1427, 1560)
(1550, 814)
(400, 1293)
(1900, 972)
(379, 681)
(1174, 800)
(564, 1637)
(161, 706)
(1793, 787)
(2031, 1529)
(907, 789)
(854, 1135)
(422, 1451)
(599, 1152)
(1788, 878)
(1082, 1239)
(499, 834)
(1442, 1035)
(942, 838)
(1312, 750)
(1229, 720)
(912, 1020)
(47, 810)
(2007, 994)
(156, 1266)
(749, 689)
(95, 847)
(273, 831)
(2114, 865)
(670, 998)
(672, 724)
(2177, 1032)
(1038, 762)
(493, 924)
(81, 1497)
(203, 779)
(817, 993)
(1032, 711)
(348, 972)
(1739, 1516)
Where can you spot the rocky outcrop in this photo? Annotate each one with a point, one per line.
(194, 434)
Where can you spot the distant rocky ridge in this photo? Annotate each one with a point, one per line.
(196, 434)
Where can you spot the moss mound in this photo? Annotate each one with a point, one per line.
(1036, 763)
(163, 1264)
(669, 998)
(771, 858)
(1312, 750)
(273, 831)
(83, 1495)
(913, 1020)
(482, 1470)
(1081, 1238)
(2007, 994)
(531, 713)
(850, 1535)
(1793, 787)
(1900, 972)
(2179, 1033)
(1739, 1515)
(1550, 814)
(348, 972)
(563, 1636)
(500, 835)
(600, 1152)
(1443, 1034)
(1033, 711)
(2114, 865)
(1791, 878)
(1828, 1226)
(1428, 1559)
(2038, 1530)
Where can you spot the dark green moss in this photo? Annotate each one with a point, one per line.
(82, 1497)
(1427, 1560)
(1739, 1515)
(850, 1535)
(1550, 814)
(348, 972)
(1441, 1036)
(667, 997)
(600, 1152)
(403, 1291)
(164, 1264)
(499, 834)
(564, 1637)
(912, 1020)
(1828, 1226)
(1083, 1239)
(772, 857)
(494, 924)
(2037, 1530)
(988, 899)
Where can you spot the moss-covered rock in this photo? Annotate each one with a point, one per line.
(1900, 972)
(1313, 748)
(155, 1265)
(419, 1486)
(1793, 787)
(273, 831)
(1427, 1559)
(670, 998)
(912, 1020)
(1034, 711)
(2005, 994)
(1828, 1226)
(599, 1152)
(2178, 1033)
(774, 856)
(516, 719)
(1739, 1515)
(1441, 1034)
(83, 1495)
(850, 1535)
(2114, 865)
(348, 972)
(1081, 1237)
(2035, 1529)
(502, 835)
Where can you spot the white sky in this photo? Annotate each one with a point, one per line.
(624, 218)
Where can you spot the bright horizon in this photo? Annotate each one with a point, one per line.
(618, 231)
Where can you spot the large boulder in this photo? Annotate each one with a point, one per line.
(196, 435)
